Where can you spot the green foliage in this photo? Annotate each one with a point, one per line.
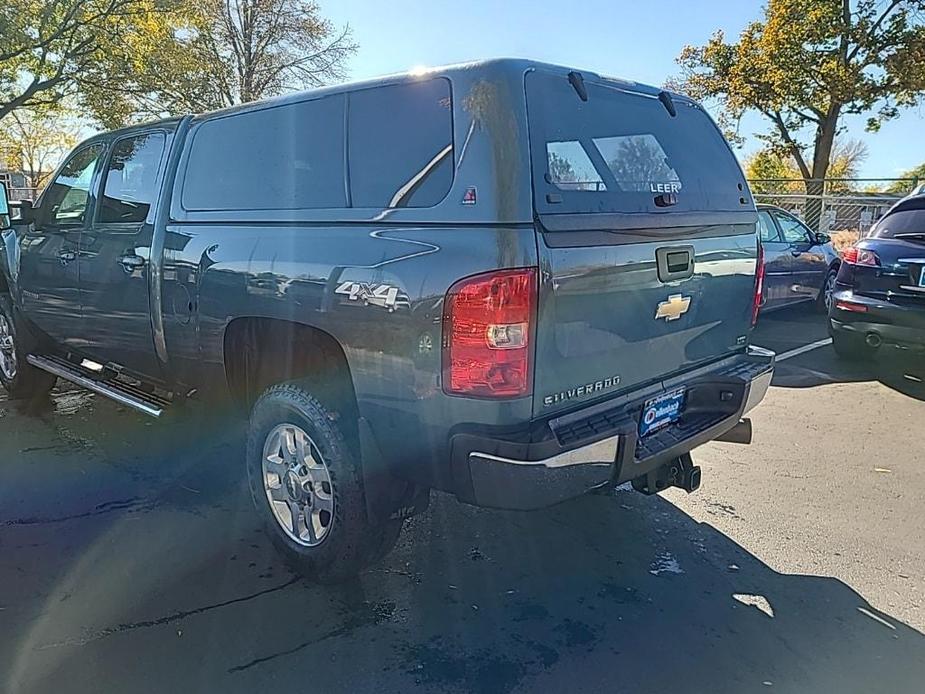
(189, 56)
(46, 45)
(916, 176)
(806, 63)
(125, 60)
(36, 140)
(767, 168)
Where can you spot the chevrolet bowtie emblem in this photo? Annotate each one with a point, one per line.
(674, 308)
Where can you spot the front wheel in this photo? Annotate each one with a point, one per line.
(306, 485)
(827, 293)
(19, 378)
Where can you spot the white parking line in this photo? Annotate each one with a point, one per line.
(802, 350)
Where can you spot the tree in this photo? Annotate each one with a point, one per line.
(37, 141)
(913, 178)
(561, 169)
(48, 44)
(638, 161)
(198, 56)
(769, 171)
(806, 64)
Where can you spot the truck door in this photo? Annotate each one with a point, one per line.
(48, 248)
(114, 255)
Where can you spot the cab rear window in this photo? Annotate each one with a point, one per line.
(621, 150)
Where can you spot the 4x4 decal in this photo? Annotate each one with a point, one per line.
(373, 294)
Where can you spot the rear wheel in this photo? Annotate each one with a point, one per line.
(851, 347)
(306, 485)
(19, 378)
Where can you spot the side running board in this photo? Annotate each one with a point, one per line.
(122, 393)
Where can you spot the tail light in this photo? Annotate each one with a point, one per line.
(850, 306)
(488, 323)
(860, 256)
(759, 285)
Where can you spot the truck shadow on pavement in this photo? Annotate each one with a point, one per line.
(905, 375)
(131, 562)
(802, 325)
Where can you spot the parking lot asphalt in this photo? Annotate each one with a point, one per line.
(130, 561)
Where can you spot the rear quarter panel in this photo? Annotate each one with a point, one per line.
(339, 279)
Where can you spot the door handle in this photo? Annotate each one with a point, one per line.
(131, 262)
(796, 254)
(66, 257)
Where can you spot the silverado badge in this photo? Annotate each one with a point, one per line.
(674, 308)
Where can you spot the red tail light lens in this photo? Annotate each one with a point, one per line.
(487, 330)
(851, 307)
(861, 256)
(759, 285)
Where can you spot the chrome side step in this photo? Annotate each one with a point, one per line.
(109, 389)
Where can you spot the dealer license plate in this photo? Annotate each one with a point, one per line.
(661, 411)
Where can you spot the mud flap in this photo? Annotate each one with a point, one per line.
(387, 496)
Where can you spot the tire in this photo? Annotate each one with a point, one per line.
(19, 378)
(824, 302)
(850, 348)
(331, 539)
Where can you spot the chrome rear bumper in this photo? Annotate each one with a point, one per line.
(517, 475)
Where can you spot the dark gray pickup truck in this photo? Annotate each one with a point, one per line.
(509, 281)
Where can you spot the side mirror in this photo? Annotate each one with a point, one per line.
(822, 238)
(27, 213)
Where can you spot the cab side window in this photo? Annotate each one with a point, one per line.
(288, 157)
(401, 144)
(130, 185)
(65, 201)
(767, 230)
(793, 229)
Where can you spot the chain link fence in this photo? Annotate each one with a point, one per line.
(846, 209)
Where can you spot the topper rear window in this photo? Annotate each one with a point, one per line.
(620, 150)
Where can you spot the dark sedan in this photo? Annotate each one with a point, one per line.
(800, 264)
(879, 298)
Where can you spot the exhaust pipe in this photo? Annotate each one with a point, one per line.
(873, 340)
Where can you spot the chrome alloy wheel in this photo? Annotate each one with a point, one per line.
(829, 290)
(298, 485)
(7, 349)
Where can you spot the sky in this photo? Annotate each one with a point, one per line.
(636, 40)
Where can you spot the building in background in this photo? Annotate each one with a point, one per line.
(16, 181)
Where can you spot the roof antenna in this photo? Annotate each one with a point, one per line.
(665, 98)
(578, 82)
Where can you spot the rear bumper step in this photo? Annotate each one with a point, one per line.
(121, 393)
(593, 449)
